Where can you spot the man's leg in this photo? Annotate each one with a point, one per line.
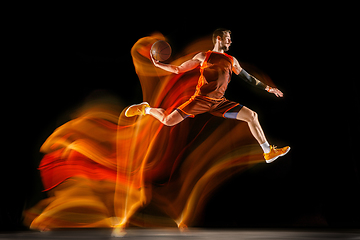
(251, 117)
(271, 153)
(144, 108)
(233, 110)
(166, 119)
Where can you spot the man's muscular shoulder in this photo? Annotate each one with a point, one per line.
(199, 57)
(236, 66)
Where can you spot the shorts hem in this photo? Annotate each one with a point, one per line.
(184, 114)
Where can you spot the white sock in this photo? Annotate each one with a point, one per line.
(147, 110)
(265, 147)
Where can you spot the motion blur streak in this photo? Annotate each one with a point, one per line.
(101, 168)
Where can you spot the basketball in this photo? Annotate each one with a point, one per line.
(161, 50)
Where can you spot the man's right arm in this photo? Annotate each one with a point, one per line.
(184, 67)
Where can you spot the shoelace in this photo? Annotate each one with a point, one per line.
(275, 148)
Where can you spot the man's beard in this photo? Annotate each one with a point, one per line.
(223, 47)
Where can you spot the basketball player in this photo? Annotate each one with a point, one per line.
(216, 68)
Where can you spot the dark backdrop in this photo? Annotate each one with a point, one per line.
(62, 58)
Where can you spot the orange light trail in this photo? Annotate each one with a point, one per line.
(100, 168)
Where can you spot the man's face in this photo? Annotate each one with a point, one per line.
(225, 42)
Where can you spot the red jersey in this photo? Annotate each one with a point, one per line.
(216, 72)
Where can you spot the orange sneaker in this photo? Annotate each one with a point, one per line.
(275, 153)
(136, 109)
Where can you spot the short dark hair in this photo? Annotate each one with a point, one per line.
(219, 32)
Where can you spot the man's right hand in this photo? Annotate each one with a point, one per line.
(154, 61)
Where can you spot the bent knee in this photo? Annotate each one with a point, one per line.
(167, 121)
(254, 116)
(247, 115)
(250, 117)
(172, 119)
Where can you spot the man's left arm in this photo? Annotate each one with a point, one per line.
(238, 70)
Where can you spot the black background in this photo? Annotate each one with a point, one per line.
(62, 55)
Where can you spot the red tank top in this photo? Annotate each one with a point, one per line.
(216, 72)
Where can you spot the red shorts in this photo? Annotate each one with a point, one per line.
(201, 104)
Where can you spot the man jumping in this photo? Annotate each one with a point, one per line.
(216, 68)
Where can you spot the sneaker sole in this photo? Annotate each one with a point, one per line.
(126, 112)
(273, 159)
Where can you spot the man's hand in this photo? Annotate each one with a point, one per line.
(275, 91)
(154, 61)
